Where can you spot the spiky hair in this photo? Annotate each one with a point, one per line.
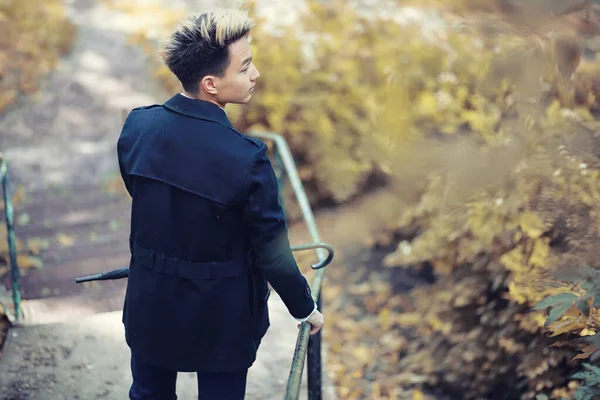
(199, 45)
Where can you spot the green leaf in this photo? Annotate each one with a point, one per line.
(551, 301)
(591, 390)
(592, 368)
(583, 375)
(588, 285)
(593, 340)
(583, 305)
(580, 394)
(596, 294)
(593, 381)
(557, 312)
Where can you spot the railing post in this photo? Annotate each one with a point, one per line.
(280, 178)
(314, 364)
(10, 233)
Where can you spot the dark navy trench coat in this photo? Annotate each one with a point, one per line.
(207, 234)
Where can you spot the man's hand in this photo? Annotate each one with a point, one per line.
(316, 321)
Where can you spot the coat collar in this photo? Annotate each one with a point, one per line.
(197, 109)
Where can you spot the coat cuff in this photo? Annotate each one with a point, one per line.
(309, 315)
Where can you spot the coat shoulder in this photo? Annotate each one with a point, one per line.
(138, 114)
(147, 107)
(253, 142)
(252, 146)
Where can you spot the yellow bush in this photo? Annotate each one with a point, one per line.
(519, 202)
(34, 35)
(493, 215)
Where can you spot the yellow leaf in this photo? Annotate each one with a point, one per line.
(363, 354)
(587, 332)
(539, 255)
(384, 317)
(531, 224)
(513, 260)
(65, 240)
(409, 319)
(564, 326)
(28, 262)
(417, 395)
(427, 104)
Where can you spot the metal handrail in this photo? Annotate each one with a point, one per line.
(11, 238)
(306, 346)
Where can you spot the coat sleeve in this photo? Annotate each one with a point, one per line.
(124, 176)
(267, 229)
(122, 169)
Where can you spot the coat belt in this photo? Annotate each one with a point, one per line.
(186, 269)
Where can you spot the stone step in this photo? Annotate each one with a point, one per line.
(38, 222)
(51, 310)
(86, 357)
(59, 280)
(62, 162)
(72, 197)
(106, 247)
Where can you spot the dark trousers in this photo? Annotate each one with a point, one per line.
(154, 383)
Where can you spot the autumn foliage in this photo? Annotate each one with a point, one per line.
(493, 147)
(34, 35)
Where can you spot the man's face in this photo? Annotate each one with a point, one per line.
(240, 76)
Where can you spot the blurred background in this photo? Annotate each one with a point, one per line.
(449, 148)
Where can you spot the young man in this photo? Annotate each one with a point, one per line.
(207, 230)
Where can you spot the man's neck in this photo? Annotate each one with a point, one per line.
(189, 96)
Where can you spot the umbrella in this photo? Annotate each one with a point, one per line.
(124, 272)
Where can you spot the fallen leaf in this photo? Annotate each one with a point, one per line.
(23, 219)
(363, 354)
(65, 240)
(25, 262)
(409, 319)
(417, 395)
(36, 245)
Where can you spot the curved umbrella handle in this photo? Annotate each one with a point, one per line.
(312, 246)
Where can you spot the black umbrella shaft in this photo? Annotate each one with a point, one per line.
(124, 272)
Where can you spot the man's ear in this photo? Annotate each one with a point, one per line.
(208, 84)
